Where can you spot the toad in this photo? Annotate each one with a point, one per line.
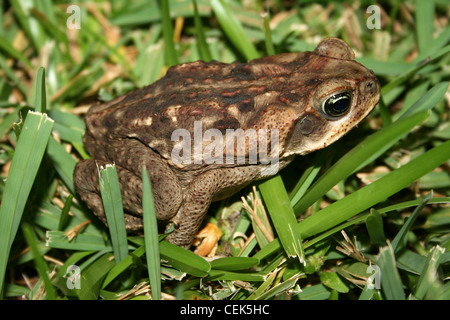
(179, 128)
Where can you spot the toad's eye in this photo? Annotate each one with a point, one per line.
(338, 104)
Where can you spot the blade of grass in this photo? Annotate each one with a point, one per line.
(63, 162)
(267, 34)
(10, 73)
(374, 226)
(428, 101)
(123, 265)
(415, 68)
(151, 237)
(275, 245)
(401, 235)
(184, 260)
(93, 276)
(234, 263)
(169, 46)
(283, 217)
(202, 45)
(41, 100)
(233, 29)
(24, 166)
(61, 278)
(391, 282)
(216, 275)
(50, 27)
(315, 292)
(264, 286)
(112, 203)
(281, 287)
(64, 217)
(428, 276)
(58, 239)
(375, 192)
(307, 177)
(366, 197)
(31, 28)
(260, 220)
(181, 259)
(39, 261)
(424, 23)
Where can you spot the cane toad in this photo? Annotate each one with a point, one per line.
(308, 99)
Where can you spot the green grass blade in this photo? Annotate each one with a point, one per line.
(368, 196)
(427, 101)
(7, 47)
(281, 287)
(397, 82)
(92, 277)
(264, 286)
(58, 239)
(184, 260)
(39, 261)
(233, 29)
(202, 45)
(315, 292)
(307, 177)
(234, 263)
(61, 278)
(268, 35)
(64, 217)
(112, 203)
(333, 281)
(275, 245)
(282, 215)
(235, 276)
(365, 152)
(9, 72)
(151, 236)
(255, 210)
(424, 23)
(41, 100)
(391, 282)
(25, 164)
(32, 29)
(69, 127)
(123, 265)
(63, 162)
(374, 225)
(375, 192)
(397, 243)
(169, 46)
(428, 276)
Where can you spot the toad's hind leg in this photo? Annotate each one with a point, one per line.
(87, 186)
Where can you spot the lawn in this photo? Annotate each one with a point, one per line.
(367, 218)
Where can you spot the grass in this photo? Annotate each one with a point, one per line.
(366, 218)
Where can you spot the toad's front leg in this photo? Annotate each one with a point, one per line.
(199, 195)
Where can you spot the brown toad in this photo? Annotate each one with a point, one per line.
(309, 100)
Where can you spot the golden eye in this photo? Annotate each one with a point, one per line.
(338, 104)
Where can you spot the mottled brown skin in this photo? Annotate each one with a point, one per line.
(284, 92)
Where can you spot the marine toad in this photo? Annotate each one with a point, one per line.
(178, 128)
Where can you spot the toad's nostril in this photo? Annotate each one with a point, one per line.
(368, 87)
